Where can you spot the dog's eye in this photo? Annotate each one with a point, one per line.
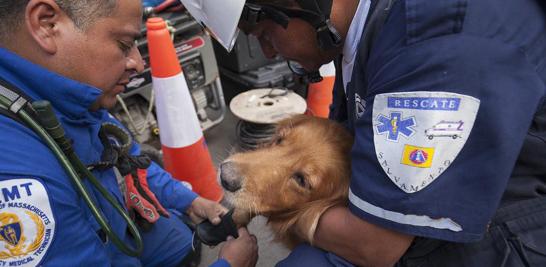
(279, 140)
(300, 179)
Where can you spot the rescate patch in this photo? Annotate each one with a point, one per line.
(417, 135)
(27, 225)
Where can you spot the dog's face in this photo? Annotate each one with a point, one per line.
(306, 165)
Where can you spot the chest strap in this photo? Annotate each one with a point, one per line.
(142, 204)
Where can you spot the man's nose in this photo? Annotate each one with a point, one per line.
(135, 61)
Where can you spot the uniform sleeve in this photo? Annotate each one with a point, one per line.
(170, 192)
(446, 118)
(42, 218)
(41, 223)
(220, 263)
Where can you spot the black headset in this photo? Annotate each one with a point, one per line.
(315, 12)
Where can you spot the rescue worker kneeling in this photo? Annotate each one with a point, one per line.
(78, 55)
(445, 100)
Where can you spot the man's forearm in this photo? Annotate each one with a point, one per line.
(362, 243)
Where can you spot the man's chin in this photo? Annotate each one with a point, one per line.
(104, 103)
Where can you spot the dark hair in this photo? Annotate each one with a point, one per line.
(82, 12)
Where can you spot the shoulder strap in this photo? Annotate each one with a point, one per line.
(16, 97)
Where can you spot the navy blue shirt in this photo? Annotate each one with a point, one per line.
(440, 113)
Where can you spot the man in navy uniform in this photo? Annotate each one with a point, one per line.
(446, 103)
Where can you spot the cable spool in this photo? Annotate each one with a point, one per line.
(251, 135)
(259, 110)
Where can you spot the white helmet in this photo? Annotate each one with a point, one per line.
(221, 18)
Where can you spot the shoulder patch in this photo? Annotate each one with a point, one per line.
(418, 134)
(27, 225)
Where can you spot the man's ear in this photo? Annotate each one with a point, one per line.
(42, 19)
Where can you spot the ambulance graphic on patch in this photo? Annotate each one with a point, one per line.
(27, 225)
(417, 135)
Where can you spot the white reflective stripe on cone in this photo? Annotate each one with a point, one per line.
(178, 123)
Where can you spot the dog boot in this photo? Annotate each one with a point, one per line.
(212, 235)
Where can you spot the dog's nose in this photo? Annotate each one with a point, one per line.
(229, 177)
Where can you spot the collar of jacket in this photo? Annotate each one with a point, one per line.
(68, 97)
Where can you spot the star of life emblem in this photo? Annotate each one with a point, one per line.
(395, 125)
(418, 134)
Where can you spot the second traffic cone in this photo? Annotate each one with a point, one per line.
(319, 95)
(185, 152)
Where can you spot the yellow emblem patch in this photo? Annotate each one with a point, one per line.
(416, 156)
(11, 232)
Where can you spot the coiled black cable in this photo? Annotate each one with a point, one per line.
(252, 135)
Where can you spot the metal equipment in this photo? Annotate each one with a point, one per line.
(194, 49)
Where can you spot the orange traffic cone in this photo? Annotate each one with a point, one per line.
(185, 152)
(319, 95)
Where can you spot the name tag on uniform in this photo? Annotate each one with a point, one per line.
(417, 135)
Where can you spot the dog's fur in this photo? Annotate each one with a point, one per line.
(301, 173)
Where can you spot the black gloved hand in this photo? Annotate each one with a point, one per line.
(212, 235)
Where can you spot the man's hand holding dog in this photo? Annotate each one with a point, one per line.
(240, 252)
(203, 209)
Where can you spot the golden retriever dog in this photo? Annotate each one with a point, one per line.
(303, 171)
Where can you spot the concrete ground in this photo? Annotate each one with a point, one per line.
(220, 140)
